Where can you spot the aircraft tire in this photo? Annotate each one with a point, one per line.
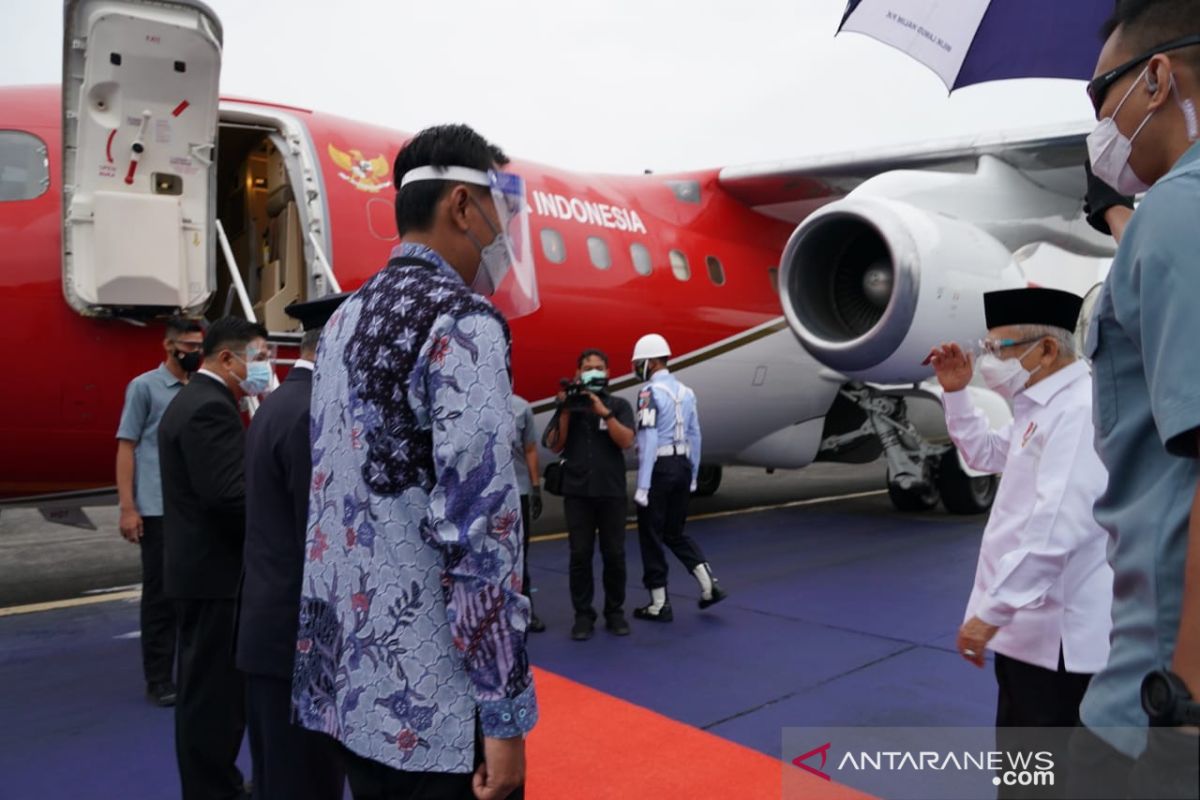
(961, 493)
(911, 500)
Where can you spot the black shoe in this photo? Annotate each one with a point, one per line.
(665, 614)
(718, 594)
(581, 631)
(535, 624)
(161, 694)
(616, 624)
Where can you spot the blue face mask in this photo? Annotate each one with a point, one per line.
(258, 378)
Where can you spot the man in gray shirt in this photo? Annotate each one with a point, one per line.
(139, 488)
(1147, 408)
(525, 463)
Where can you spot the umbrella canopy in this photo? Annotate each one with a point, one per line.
(972, 41)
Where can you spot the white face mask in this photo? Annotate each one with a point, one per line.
(494, 260)
(1006, 377)
(1109, 149)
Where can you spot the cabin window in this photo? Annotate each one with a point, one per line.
(679, 265)
(553, 247)
(642, 263)
(24, 166)
(598, 252)
(773, 274)
(716, 272)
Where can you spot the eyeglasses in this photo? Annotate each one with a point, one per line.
(994, 346)
(1098, 87)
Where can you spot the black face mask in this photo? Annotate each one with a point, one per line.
(189, 361)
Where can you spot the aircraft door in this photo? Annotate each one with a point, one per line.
(140, 95)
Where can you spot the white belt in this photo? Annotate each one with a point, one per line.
(674, 450)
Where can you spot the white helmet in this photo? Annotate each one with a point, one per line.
(651, 346)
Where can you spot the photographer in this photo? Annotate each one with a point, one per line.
(590, 429)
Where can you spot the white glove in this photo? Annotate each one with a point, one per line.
(642, 497)
(693, 487)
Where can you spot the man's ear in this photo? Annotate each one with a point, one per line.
(1158, 81)
(458, 201)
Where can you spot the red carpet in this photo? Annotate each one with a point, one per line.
(592, 746)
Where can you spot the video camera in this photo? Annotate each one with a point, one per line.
(576, 395)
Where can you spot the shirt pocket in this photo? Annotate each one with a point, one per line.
(1098, 348)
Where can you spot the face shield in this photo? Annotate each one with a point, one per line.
(508, 276)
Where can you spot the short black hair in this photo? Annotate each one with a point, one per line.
(440, 146)
(180, 325)
(1146, 24)
(233, 333)
(310, 340)
(586, 354)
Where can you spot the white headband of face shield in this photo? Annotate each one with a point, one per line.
(476, 177)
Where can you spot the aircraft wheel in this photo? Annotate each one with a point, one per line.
(709, 480)
(961, 493)
(919, 499)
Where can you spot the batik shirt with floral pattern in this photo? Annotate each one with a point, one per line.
(412, 621)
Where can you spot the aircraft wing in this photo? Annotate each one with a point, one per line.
(791, 190)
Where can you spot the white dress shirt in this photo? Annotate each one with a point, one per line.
(1043, 574)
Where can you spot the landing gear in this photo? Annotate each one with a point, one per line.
(708, 481)
(918, 473)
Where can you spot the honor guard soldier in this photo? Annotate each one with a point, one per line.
(668, 438)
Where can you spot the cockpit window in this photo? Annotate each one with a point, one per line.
(24, 166)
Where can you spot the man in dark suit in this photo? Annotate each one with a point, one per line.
(201, 445)
(289, 761)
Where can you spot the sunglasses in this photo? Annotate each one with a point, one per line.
(1098, 87)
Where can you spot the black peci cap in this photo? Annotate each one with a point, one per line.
(313, 314)
(1032, 306)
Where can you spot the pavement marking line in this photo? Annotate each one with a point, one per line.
(812, 501)
(33, 608)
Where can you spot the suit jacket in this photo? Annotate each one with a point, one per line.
(278, 473)
(201, 445)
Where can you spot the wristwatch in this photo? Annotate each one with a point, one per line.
(1167, 701)
(608, 416)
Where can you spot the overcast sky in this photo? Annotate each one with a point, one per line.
(614, 86)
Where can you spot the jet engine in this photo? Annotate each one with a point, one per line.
(869, 284)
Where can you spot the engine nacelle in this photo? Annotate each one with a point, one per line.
(869, 284)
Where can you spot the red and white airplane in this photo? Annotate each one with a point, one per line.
(799, 298)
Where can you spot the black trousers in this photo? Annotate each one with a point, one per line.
(1033, 697)
(661, 522)
(157, 610)
(370, 780)
(526, 586)
(289, 761)
(588, 517)
(210, 713)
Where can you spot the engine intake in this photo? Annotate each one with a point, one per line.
(868, 285)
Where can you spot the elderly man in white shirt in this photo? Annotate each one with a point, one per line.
(1043, 588)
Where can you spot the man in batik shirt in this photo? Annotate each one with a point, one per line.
(411, 647)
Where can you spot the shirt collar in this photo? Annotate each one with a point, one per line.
(213, 375)
(411, 250)
(303, 363)
(168, 377)
(1042, 393)
(1190, 158)
(662, 375)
